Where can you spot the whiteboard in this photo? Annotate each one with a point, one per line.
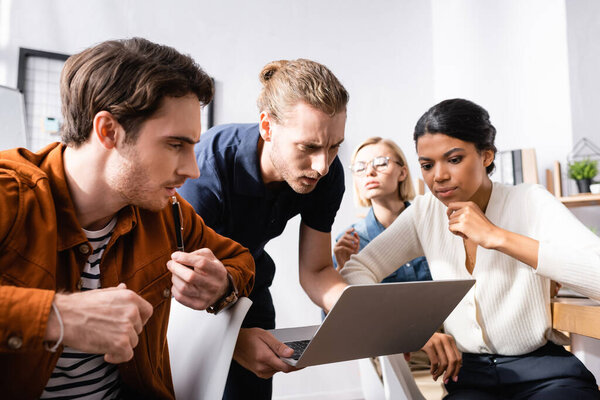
(12, 119)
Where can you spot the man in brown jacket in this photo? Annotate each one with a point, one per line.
(87, 234)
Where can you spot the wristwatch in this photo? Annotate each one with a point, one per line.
(226, 301)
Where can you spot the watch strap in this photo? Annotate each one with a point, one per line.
(226, 301)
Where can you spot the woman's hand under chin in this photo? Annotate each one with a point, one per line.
(466, 220)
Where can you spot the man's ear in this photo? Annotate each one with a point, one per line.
(106, 129)
(264, 126)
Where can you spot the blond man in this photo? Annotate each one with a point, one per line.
(254, 178)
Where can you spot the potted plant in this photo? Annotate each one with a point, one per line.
(583, 172)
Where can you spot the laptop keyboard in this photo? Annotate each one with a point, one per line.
(298, 346)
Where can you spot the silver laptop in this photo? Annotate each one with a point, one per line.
(375, 320)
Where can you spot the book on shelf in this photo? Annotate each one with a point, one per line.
(516, 166)
(529, 163)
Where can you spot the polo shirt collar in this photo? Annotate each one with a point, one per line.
(246, 170)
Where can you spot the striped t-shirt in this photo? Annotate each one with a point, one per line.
(80, 375)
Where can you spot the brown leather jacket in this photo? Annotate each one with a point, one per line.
(43, 250)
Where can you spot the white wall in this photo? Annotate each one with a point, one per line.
(583, 29)
(510, 57)
(396, 58)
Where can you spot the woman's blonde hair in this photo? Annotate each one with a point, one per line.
(285, 83)
(406, 190)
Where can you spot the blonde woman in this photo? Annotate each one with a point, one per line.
(382, 182)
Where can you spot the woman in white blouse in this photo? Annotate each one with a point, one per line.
(512, 239)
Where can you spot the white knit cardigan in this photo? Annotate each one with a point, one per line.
(508, 310)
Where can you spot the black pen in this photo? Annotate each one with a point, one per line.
(176, 208)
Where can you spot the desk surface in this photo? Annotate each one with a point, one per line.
(581, 316)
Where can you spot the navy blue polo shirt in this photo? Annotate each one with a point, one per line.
(233, 200)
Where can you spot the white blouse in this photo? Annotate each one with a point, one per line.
(508, 310)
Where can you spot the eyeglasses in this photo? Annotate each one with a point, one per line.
(379, 164)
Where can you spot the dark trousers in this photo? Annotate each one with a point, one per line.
(243, 384)
(548, 373)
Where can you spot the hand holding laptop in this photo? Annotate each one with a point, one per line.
(258, 351)
(444, 356)
(401, 317)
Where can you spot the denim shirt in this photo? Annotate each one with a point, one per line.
(367, 229)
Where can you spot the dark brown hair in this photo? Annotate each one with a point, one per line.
(128, 78)
(285, 83)
(461, 119)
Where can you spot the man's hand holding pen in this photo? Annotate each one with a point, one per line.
(199, 278)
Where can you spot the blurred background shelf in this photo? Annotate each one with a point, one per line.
(554, 186)
(581, 200)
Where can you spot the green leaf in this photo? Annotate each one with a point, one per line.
(583, 169)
